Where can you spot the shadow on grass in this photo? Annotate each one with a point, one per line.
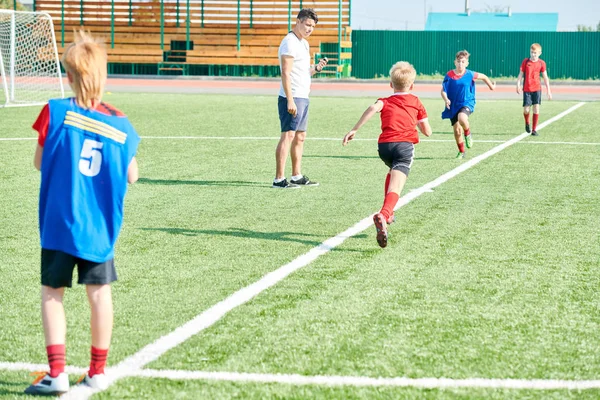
(150, 181)
(297, 237)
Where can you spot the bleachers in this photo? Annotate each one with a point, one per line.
(141, 32)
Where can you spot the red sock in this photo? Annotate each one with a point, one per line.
(388, 204)
(98, 361)
(461, 147)
(535, 120)
(387, 183)
(56, 359)
(467, 132)
(526, 116)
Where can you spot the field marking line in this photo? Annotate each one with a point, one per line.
(153, 351)
(337, 380)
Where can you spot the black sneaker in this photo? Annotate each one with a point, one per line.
(304, 181)
(527, 128)
(534, 133)
(284, 184)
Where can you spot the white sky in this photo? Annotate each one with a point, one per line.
(410, 14)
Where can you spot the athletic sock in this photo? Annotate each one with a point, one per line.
(387, 183)
(57, 359)
(388, 204)
(98, 361)
(461, 147)
(467, 132)
(297, 177)
(535, 121)
(526, 116)
(278, 180)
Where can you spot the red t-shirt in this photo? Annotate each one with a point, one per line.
(43, 120)
(399, 117)
(532, 70)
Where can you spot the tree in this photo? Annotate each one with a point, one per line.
(585, 28)
(10, 4)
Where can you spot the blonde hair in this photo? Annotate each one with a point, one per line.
(85, 60)
(536, 47)
(402, 75)
(462, 54)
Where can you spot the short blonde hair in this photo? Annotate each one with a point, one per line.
(402, 75)
(462, 54)
(536, 47)
(85, 59)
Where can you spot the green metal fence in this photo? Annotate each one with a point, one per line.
(573, 55)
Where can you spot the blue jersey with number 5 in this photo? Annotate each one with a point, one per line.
(84, 179)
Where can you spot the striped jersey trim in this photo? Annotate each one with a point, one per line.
(91, 125)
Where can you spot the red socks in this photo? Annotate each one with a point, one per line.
(535, 121)
(57, 359)
(390, 201)
(526, 116)
(98, 361)
(467, 132)
(461, 147)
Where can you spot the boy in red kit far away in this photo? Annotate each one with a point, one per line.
(532, 89)
(401, 114)
(86, 156)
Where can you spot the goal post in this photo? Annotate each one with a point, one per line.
(29, 61)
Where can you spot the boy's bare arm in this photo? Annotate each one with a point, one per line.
(547, 83)
(369, 112)
(445, 98)
(519, 78)
(424, 127)
(287, 62)
(133, 173)
(37, 158)
(488, 82)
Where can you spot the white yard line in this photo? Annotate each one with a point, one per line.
(135, 363)
(336, 380)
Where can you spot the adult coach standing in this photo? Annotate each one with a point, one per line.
(296, 73)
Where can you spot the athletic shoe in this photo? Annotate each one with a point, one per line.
(304, 181)
(46, 385)
(534, 133)
(98, 381)
(391, 219)
(460, 155)
(527, 128)
(380, 225)
(284, 184)
(468, 141)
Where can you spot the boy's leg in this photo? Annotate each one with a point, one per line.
(536, 115)
(526, 109)
(100, 298)
(281, 153)
(463, 120)
(55, 328)
(458, 136)
(296, 151)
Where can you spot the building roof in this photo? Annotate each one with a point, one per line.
(492, 22)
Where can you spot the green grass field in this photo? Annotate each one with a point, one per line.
(492, 275)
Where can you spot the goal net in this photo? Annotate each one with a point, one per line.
(28, 59)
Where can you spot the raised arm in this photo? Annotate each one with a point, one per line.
(488, 82)
(369, 112)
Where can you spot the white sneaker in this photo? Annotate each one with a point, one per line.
(44, 384)
(98, 381)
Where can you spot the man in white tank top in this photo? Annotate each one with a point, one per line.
(296, 73)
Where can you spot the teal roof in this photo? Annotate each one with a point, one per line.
(526, 22)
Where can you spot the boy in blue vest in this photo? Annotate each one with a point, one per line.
(86, 155)
(458, 92)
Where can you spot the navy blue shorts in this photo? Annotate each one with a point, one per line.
(290, 123)
(397, 155)
(57, 270)
(531, 98)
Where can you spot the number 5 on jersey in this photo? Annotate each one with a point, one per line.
(91, 158)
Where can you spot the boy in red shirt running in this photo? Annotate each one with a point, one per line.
(532, 89)
(401, 113)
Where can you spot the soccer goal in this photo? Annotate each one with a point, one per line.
(28, 59)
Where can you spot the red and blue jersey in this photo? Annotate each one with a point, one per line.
(83, 177)
(460, 90)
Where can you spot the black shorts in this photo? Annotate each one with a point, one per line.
(57, 270)
(531, 98)
(397, 155)
(464, 110)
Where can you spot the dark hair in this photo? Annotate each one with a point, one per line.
(306, 13)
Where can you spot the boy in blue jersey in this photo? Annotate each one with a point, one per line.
(458, 92)
(86, 155)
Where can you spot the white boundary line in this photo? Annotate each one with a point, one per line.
(336, 380)
(134, 363)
